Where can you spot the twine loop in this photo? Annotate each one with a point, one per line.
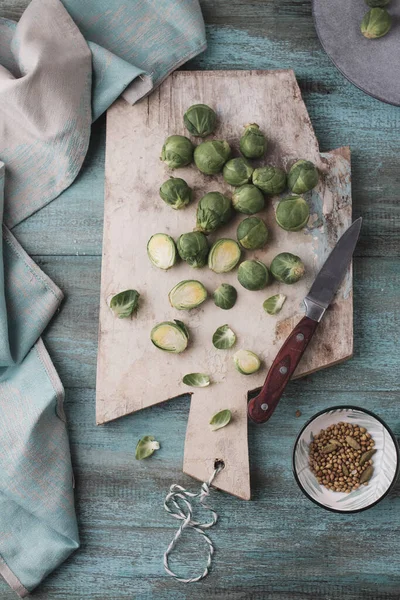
(179, 505)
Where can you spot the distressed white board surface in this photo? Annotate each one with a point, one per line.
(133, 374)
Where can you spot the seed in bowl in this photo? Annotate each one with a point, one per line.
(341, 457)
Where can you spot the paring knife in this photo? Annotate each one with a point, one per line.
(316, 302)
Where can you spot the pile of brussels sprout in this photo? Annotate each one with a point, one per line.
(377, 21)
(251, 186)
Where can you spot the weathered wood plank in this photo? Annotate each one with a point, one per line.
(280, 537)
(134, 211)
(322, 555)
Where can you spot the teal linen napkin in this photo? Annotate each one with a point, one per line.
(57, 74)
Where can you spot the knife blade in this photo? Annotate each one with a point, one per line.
(316, 302)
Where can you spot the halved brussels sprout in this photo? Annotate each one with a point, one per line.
(246, 362)
(253, 275)
(176, 192)
(287, 268)
(252, 233)
(211, 156)
(225, 296)
(200, 120)
(292, 213)
(220, 419)
(237, 171)
(213, 211)
(224, 256)
(193, 248)
(376, 23)
(270, 180)
(187, 294)
(125, 303)
(303, 177)
(253, 143)
(146, 447)
(224, 338)
(274, 304)
(170, 336)
(197, 380)
(161, 250)
(248, 199)
(177, 151)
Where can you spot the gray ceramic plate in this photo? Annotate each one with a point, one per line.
(372, 65)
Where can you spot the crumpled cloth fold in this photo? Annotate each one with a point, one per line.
(61, 67)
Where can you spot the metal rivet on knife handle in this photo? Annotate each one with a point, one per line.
(317, 301)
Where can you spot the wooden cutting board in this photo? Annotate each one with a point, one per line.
(132, 374)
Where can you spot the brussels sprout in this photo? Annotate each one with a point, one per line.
(193, 248)
(270, 180)
(225, 296)
(211, 156)
(303, 176)
(287, 268)
(177, 151)
(170, 336)
(196, 380)
(176, 192)
(253, 143)
(237, 171)
(220, 419)
(274, 304)
(125, 303)
(200, 120)
(246, 362)
(248, 199)
(253, 275)
(161, 250)
(376, 23)
(252, 233)
(377, 3)
(146, 447)
(224, 338)
(292, 213)
(224, 256)
(213, 211)
(187, 294)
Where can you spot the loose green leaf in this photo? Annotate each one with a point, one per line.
(124, 303)
(196, 380)
(220, 419)
(145, 447)
(225, 296)
(224, 338)
(274, 304)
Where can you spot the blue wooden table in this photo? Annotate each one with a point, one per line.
(278, 546)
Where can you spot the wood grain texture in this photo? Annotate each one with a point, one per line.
(134, 211)
(279, 546)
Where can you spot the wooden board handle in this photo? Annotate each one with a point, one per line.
(263, 405)
(229, 444)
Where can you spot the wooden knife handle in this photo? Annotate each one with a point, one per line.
(262, 406)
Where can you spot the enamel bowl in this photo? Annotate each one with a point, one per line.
(385, 461)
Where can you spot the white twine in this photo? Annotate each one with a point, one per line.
(172, 506)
